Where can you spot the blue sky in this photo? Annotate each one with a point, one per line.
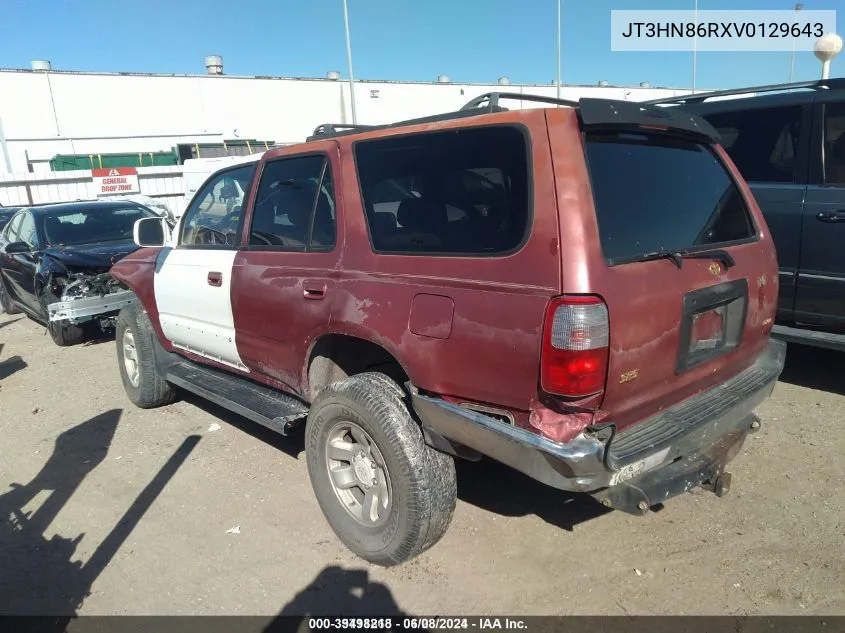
(469, 40)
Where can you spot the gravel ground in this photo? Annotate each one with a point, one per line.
(108, 509)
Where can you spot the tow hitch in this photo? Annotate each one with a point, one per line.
(707, 469)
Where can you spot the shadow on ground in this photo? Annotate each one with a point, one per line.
(39, 575)
(10, 365)
(336, 592)
(291, 444)
(497, 488)
(814, 368)
(96, 336)
(8, 323)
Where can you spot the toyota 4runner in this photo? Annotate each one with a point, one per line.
(583, 292)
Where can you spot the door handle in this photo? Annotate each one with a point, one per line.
(215, 279)
(313, 290)
(831, 216)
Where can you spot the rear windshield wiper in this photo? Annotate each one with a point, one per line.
(678, 257)
(717, 253)
(675, 258)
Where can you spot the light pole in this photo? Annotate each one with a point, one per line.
(798, 7)
(558, 49)
(349, 61)
(694, 45)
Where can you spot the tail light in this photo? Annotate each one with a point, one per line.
(576, 340)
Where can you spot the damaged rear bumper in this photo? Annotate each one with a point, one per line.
(681, 447)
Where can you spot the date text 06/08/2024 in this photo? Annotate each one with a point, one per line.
(416, 624)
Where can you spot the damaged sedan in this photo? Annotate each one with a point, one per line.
(55, 261)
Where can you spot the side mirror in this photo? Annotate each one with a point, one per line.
(151, 232)
(17, 247)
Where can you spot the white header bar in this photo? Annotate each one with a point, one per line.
(723, 31)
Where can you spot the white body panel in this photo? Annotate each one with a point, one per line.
(195, 315)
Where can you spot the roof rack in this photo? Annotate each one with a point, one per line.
(335, 128)
(471, 108)
(492, 99)
(593, 112)
(700, 97)
(331, 130)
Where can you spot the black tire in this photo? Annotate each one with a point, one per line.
(151, 390)
(6, 301)
(62, 332)
(422, 482)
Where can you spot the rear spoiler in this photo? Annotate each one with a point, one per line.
(629, 115)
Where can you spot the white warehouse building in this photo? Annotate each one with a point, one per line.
(56, 126)
(44, 112)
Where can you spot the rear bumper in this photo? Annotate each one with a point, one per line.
(686, 445)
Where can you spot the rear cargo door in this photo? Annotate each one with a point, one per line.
(687, 278)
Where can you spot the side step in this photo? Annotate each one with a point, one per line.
(271, 408)
(813, 338)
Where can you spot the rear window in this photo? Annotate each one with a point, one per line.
(662, 194)
(461, 192)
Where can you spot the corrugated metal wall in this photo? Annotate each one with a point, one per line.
(162, 183)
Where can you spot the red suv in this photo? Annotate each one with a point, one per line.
(583, 292)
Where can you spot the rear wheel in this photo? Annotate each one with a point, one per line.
(62, 332)
(6, 300)
(384, 492)
(142, 380)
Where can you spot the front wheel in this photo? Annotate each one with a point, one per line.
(384, 492)
(6, 301)
(143, 381)
(62, 332)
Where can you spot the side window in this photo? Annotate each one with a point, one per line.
(215, 212)
(27, 232)
(295, 205)
(834, 144)
(763, 143)
(12, 229)
(461, 192)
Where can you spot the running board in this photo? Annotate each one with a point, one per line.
(814, 338)
(268, 407)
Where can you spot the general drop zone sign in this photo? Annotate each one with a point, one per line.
(116, 180)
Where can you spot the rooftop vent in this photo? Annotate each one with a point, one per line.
(604, 83)
(443, 79)
(645, 84)
(504, 81)
(214, 64)
(333, 75)
(41, 64)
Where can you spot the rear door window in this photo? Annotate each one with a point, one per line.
(834, 144)
(763, 142)
(657, 193)
(461, 192)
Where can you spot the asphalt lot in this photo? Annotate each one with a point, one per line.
(108, 509)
